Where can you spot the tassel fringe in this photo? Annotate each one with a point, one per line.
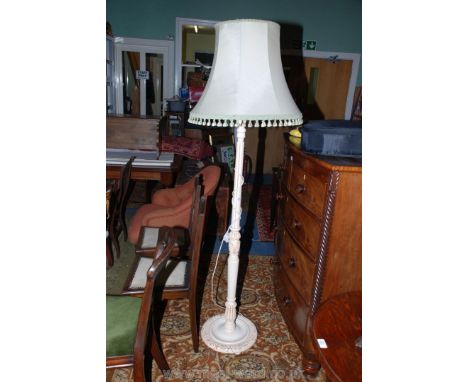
(248, 123)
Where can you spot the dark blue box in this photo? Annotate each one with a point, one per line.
(340, 138)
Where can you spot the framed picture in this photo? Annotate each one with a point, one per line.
(222, 141)
(226, 154)
(174, 126)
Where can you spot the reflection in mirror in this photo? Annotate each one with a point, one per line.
(198, 39)
(154, 85)
(131, 87)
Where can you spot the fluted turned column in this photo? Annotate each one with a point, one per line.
(230, 333)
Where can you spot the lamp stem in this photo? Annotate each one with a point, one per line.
(234, 235)
(227, 333)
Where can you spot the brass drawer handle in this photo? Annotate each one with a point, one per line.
(292, 262)
(300, 188)
(286, 300)
(296, 224)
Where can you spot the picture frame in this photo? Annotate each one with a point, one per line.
(226, 154)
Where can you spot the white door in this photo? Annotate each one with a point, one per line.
(144, 75)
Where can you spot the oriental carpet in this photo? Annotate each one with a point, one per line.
(274, 357)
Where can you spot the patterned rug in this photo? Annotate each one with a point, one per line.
(274, 357)
(263, 214)
(262, 205)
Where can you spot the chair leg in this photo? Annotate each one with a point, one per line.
(144, 375)
(156, 346)
(115, 245)
(148, 364)
(123, 210)
(123, 225)
(158, 355)
(124, 228)
(148, 369)
(193, 321)
(109, 256)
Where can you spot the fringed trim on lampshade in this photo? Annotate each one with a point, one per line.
(214, 122)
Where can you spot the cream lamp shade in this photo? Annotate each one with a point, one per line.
(246, 82)
(246, 88)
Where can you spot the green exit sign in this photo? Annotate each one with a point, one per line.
(309, 44)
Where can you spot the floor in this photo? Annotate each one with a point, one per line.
(274, 357)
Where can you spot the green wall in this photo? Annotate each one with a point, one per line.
(335, 24)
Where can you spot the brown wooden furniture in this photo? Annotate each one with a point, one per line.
(187, 261)
(110, 200)
(122, 197)
(218, 221)
(134, 133)
(146, 345)
(318, 241)
(115, 222)
(197, 132)
(166, 175)
(146, 245)
(338, 323)
(138, 133)
(172, 207)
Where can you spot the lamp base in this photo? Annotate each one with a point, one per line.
(215, 336)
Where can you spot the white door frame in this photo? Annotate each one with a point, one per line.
(354, 57)
(164, 47)
(180, 22)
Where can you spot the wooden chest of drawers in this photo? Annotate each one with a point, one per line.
(318, 240)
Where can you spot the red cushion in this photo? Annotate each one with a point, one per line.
(166, 197)
(191, 148)
(171, 207)
(152, 215)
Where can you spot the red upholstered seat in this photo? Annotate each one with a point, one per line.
(171, 207)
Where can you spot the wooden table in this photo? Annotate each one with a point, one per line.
(166, 175)
(338, 323)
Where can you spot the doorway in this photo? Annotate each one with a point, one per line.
(144, 75)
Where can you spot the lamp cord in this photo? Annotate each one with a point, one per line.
(224, 240)
(213, 298)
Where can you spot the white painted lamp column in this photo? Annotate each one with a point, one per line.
(225, 333)
(246, 88)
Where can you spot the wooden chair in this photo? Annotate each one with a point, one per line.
(131, 331)
(172, 206)
(189, 288)
(184, 266)
(110, 206)
(117, 223)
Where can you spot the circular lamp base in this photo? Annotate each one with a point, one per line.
(215, 336)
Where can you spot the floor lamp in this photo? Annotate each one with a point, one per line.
(246, 88)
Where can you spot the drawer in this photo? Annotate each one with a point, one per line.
(302, 225)
(279, 235)
(309, 190)
(291, 305)
(299, 268)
